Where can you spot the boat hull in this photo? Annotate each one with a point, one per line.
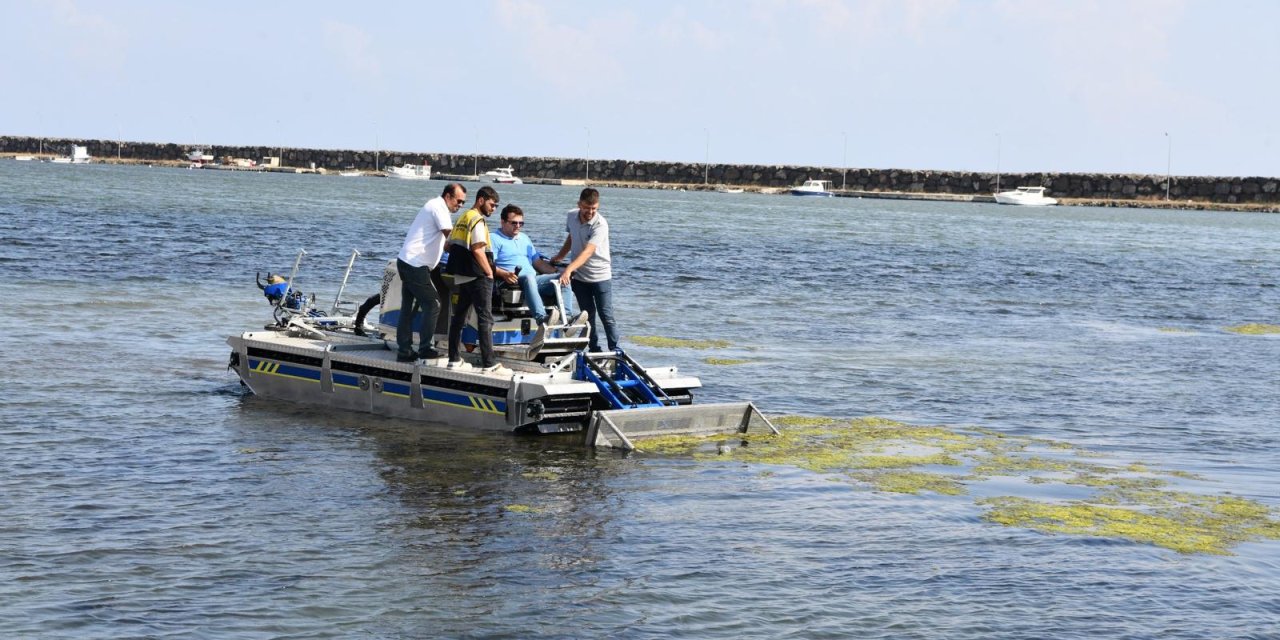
(1025, 202)
(819, 194)
(364, 376)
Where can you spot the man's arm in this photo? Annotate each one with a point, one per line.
(564, 250)
(477, 250)
(578, 261)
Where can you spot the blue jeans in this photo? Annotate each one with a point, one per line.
(416, 286)
(534, 287)
(596, 298)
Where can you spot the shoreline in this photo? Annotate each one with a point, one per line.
(1148, 202)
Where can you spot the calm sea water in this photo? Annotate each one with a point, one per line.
(146, 495)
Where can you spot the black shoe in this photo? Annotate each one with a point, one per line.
(358, 331)
(430, 354)
(400, 357)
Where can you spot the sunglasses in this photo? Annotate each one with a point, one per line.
(516, 223)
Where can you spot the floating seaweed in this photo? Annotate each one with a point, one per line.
(1128, 500)
(678, 343)
(725, 361)
(522, 508)
(1255, 329)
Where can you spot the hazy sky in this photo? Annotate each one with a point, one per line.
(1046, 85)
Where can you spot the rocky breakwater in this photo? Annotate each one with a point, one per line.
(1090, 187)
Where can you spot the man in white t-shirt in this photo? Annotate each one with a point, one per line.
(419, 281)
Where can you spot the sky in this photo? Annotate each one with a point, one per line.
(1112, 86)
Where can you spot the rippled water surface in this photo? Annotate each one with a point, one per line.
(146, 495)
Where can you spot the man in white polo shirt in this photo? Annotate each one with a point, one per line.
(418, 258)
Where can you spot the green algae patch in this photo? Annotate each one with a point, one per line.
(1195, 524)
(522, 508)
(678, 343)
(1255, 329)
(1123, 500)
(911, 482)
(725, 361)
(540, 475)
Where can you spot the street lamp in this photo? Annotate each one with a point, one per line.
(588, 176)
(997, 163)
(706, 163)
(844, 161)
(1168, 166)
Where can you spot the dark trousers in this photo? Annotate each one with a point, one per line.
(416, 286)
(596, 298)
(442, 289)
(478, 293)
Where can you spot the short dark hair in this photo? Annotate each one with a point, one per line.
(454, 188)
(511, 210)
(487, 193)
(589, 196)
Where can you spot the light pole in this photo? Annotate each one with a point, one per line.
(1168, 166)
(588, 172)
(706, 163)
(997, 163)
(844, 161)
(377, 146)
(475, 164)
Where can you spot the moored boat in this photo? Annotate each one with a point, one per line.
(410, 172)
(1026, 196)
(820, 188)
(501, 175)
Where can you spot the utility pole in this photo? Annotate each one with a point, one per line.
(706, 163)
(1168, 166)
(588, 176)
(844, 162)
(997, 163)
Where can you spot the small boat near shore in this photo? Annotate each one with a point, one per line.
(546, 381)
(501, 175)
(410, 172)
(726, 189)
(1026, 196)
(79, 155)
(821, 188)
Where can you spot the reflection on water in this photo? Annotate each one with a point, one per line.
(147, 496)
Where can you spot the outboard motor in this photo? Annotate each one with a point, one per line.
(277, 289)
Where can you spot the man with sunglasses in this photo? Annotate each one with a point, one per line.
(513, 250)
(420, 281)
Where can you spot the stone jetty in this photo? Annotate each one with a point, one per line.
(1254, 193)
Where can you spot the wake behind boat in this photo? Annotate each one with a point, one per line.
(549, 382)
(1026, 196)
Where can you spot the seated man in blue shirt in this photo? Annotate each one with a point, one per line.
(513, 249)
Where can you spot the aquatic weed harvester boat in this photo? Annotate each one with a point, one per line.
(552, 383)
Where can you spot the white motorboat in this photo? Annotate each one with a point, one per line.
(79, 155)
(501, 175)
(410, 172)
(814, 188)
(726, 189)
(548, 382)
(1026, 196)
(353, 173)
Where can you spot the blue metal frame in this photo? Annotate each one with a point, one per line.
(624, 377)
